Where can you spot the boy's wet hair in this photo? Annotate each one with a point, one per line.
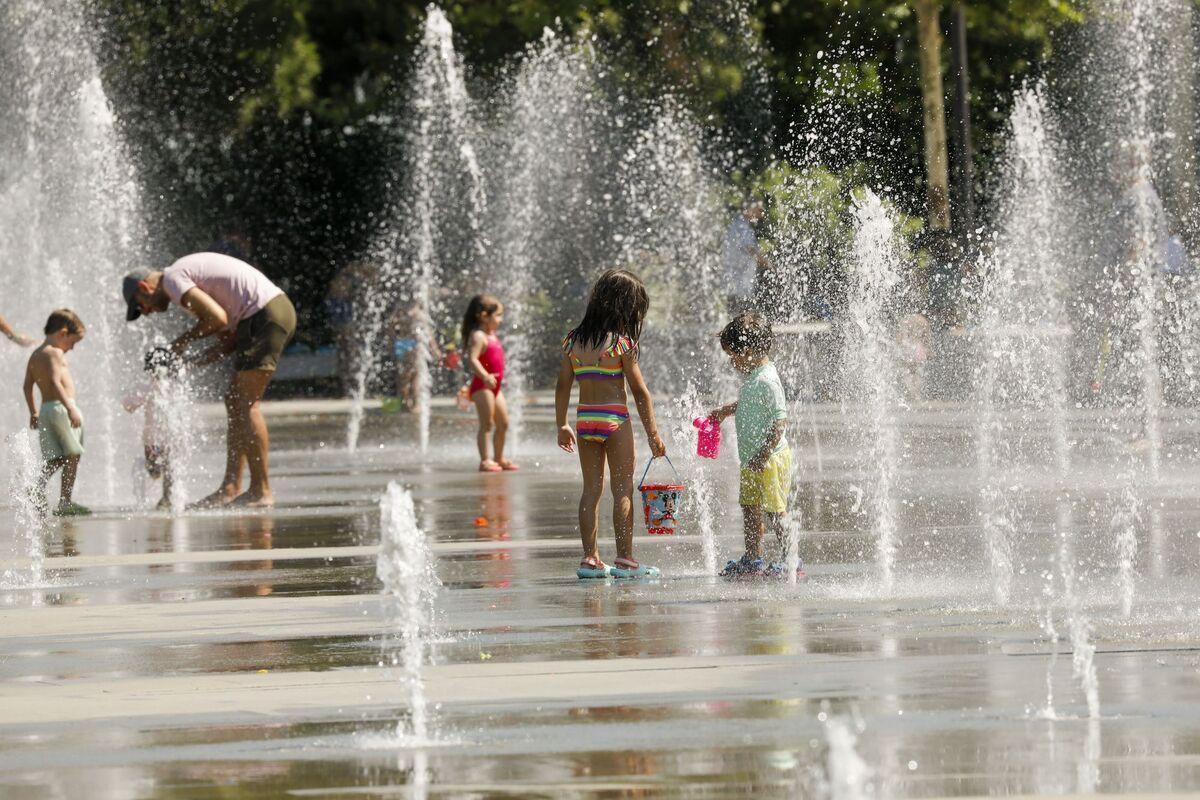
(61, 318)
(748, 334)
(162, 363)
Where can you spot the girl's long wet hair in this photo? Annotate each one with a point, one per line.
(616, 307)
(480, 304)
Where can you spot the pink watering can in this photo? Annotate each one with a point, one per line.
(708, 443)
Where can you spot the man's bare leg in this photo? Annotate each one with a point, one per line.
(251, 384)
(231, 483)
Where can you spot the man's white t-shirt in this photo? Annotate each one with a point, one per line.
(738, 257)
(236, 286)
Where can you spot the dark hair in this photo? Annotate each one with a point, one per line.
(162, 363)
(63, 318)
(616, 307)
(479, 304)
(748, 333)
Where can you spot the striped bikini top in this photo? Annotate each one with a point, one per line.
(597, 371)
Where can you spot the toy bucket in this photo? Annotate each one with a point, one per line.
(661, 502)
(708, 442)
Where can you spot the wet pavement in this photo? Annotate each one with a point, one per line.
(218, 656)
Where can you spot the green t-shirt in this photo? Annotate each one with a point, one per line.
(760, 405)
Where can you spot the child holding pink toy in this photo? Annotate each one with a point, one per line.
(760, 416)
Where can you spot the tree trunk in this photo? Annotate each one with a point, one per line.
(1178, 87)
(937, 178)
(964, 205)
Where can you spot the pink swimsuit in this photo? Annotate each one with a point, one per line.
(492, 360)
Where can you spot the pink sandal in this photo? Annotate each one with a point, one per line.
(487, 465)
(508, 466)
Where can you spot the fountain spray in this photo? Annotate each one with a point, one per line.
(440, 152)
(30, 509)
(405, 568)
(869, 354)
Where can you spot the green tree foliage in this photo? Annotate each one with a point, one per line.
(259, 118)
(276, 116)
(838, 66)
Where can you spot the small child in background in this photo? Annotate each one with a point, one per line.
(58, 421)
(602, 355)
(485, 359)
(161, 364)
(760, 415)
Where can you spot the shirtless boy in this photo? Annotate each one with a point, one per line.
(58, 422)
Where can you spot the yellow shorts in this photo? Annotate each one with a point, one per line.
(770, 488)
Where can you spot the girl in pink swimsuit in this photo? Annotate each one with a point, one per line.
(485, 359)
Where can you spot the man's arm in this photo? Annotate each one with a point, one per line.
(12, 335)
(210, 318)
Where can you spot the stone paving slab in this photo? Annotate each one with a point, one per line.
(346, 692)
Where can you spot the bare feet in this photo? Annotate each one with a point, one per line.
(487, 465)
(247, 500)
(508, 466)
(218, 499)
(67, 508)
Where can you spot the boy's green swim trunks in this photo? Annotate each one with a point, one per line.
(260, 338)
(57, 437)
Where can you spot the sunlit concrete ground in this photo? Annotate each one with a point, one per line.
(220, 656)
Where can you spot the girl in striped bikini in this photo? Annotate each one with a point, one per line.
(602, 354)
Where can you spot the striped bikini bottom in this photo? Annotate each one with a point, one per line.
(597, 423)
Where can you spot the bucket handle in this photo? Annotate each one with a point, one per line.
(650, 463)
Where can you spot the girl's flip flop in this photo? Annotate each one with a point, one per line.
(590, 568)
(628, 568)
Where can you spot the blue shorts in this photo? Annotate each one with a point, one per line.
(402, 347)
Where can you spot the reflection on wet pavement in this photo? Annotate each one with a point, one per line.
(227, 656)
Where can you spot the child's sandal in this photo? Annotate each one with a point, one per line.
(735, 568)
(629, 568)
(744, 567)
(592, 568)
(778, 569)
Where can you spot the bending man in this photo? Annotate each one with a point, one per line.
(253, 320)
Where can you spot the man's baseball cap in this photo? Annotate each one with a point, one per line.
(129, 285)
